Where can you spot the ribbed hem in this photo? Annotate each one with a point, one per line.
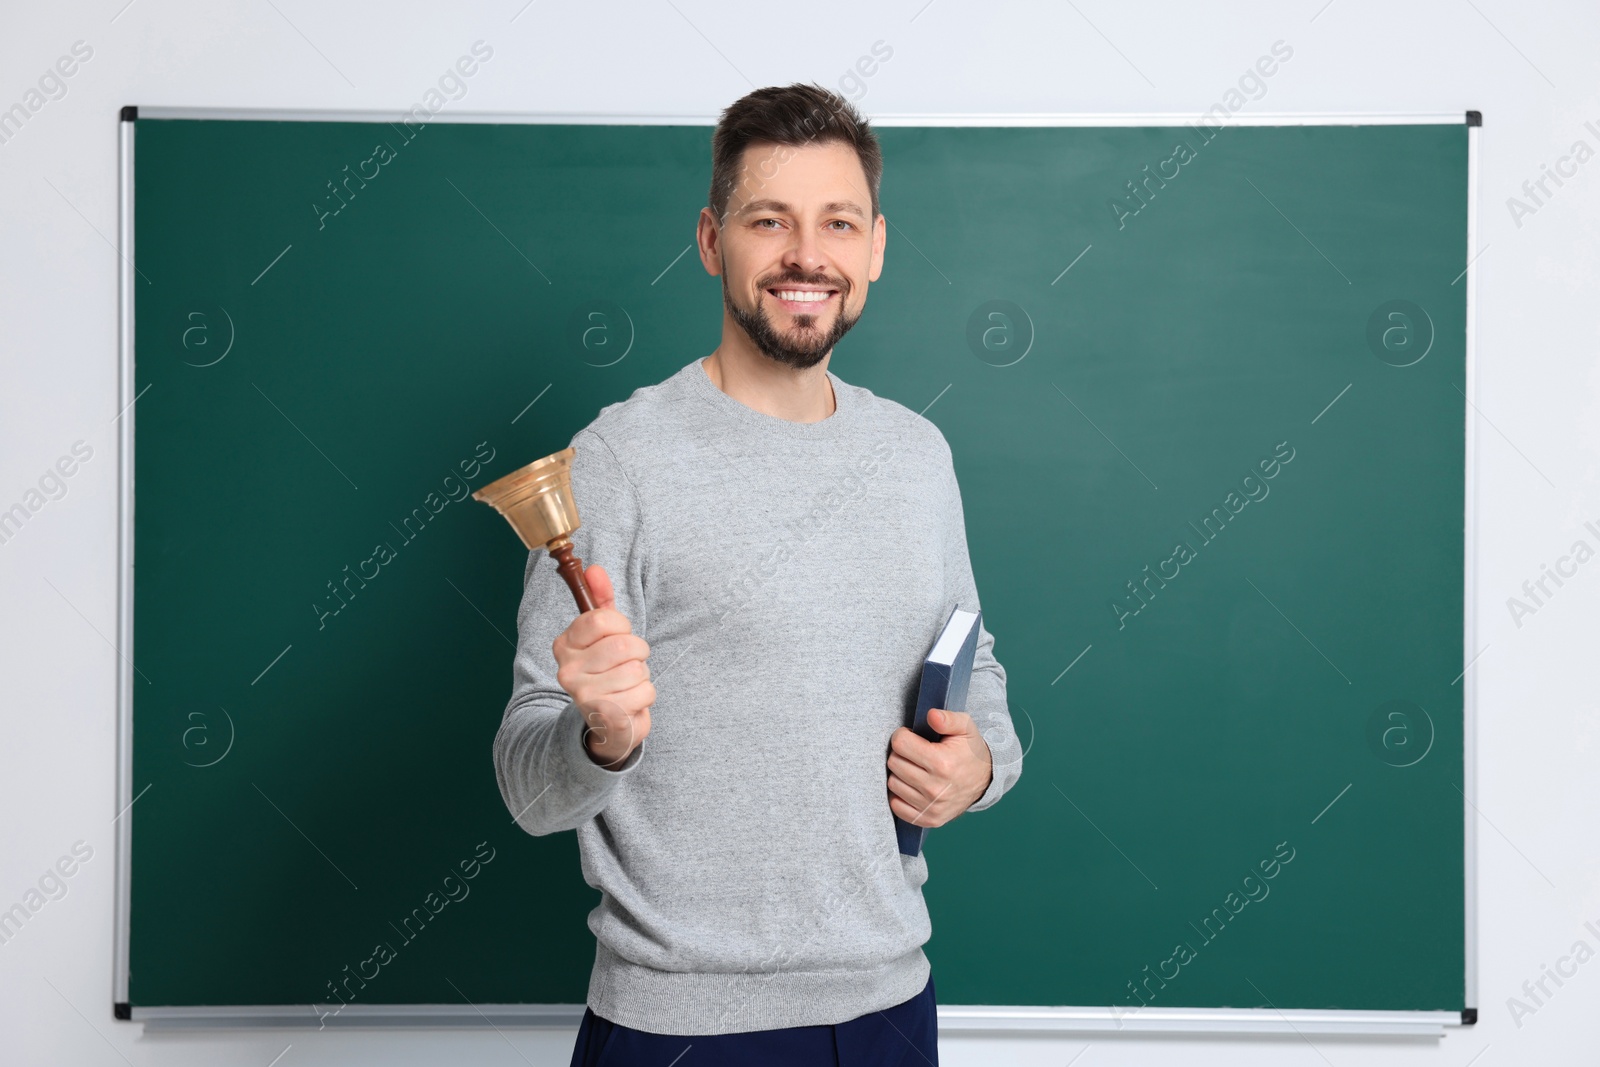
(688, 1003)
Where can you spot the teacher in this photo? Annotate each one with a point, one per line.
(790, 544)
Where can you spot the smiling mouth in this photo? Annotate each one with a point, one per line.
(803, 301)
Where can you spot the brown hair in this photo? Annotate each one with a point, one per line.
(792, 115)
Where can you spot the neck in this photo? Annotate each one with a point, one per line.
(757, 381)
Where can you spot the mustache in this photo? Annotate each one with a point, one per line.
(800, 279)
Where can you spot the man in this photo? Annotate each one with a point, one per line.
(791, 545)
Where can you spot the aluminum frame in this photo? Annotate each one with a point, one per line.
(954, 1018)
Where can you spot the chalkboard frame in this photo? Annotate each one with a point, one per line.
(952, 1018)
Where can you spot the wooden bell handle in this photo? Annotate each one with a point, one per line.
(570, 567)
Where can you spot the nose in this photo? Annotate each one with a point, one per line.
(804, 253)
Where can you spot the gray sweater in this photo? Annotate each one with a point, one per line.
(790, 579)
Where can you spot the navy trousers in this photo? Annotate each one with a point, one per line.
(906, 1035)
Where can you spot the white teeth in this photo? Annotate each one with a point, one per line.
(801, 295)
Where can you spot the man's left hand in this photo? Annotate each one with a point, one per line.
(931, 782)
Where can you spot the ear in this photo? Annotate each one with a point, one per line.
(708, 235)
(880, 234)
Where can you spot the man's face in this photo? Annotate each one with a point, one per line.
(796, 249)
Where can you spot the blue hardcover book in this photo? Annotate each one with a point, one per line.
(946, 675)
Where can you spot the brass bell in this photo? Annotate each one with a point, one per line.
(537, 501)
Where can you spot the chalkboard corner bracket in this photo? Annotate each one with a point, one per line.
(122, 1010)
(130, 113)
(1469, 1016)
(1474, 118)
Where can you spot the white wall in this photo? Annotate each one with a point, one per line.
(1530, 68)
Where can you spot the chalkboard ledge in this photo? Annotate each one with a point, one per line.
(1135, 1020)
(358, 1016)
(952, 1019)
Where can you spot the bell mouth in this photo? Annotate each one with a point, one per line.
(537, 499)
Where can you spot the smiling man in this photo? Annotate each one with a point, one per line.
(772, 551)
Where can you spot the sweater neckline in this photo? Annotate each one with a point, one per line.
(843, 412)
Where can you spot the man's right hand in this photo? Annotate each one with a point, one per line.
(600, 662)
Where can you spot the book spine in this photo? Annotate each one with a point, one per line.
(933, 692)
(940, 688)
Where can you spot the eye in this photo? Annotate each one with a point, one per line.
(759, 223)
(841, 222)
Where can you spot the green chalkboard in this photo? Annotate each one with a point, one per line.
(1207, 408)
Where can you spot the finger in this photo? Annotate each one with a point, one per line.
(950, 722)
(636, 701)
(919, 750)
(602, 717)
(909, 793)
(915, 814)
(617, 725)
(615, 708)
(591, 626)
(618, 680)
(600, 713)
(600, 588)
(932, 806)
(612, 651)
(611, 744)
(916, 777)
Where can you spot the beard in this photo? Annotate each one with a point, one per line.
(805, 345)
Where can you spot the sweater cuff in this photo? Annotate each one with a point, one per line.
(579, 769)
(1003, 751)
(991, 794)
